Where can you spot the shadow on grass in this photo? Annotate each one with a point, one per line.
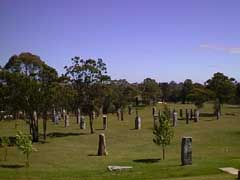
(230, 114)
(92, 155)
(147, 160)
(207, 115)
(12, 166)
(60, 134)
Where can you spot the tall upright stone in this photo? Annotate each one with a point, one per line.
(53, 115)
(186, 151)
(138, 122)
(180, 113)
(155, 119)
(118, 113)
(121, 113)
(175, 118)
(66, 120)
(197, 115)
(191, 114)
(102, 149)
(82, 122)
(218, 115)
(129, 110)
(187, 116)
(78, 115)
(154, 111)
(104, 121)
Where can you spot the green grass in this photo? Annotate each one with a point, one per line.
(215, 144)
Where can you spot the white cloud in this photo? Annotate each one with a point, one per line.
(230, 50)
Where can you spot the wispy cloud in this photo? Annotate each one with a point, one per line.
(231, 50)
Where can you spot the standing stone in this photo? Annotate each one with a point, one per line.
(175, 119)
(129, 110)
(118, 113)
(121, 112)
(94, 115)
(218, 115)
(238, 174)
(186, 151)
(196, 115)
(82, 122)
(187, 116)
(53, 115)
(138, 122)
(154, 111)
(56, 119)
(102, 150)
(155, 120)
(191, 114)
(78, 115)
(104, 122)
(181, 113)
(66, 120)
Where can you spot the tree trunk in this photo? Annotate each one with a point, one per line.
(122, 118)
(163, 152)
(45, 125)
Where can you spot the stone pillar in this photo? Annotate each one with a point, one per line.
(191, 114)
(180, 113)
(153, 111)
(118, 113)
(121, 112)
(186, 151)
(82, 122)
(155, 120)
(218, 115)
(238, 174)
(104, 122)
(102, 149)
(187, 116)
(175, 119)
(53, 115)
(66, 120)
(196, 115)
(138, 122)
(78, 115)
(129, 110)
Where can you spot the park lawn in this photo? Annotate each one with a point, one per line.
(71, 153)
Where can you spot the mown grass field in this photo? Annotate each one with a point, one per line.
(73, 155)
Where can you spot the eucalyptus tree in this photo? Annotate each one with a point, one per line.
(89, 78)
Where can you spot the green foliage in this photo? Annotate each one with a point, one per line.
(186, 89)
(24, 144)
(5, 143)
(163, 133)
(222, 86)
(150, 90)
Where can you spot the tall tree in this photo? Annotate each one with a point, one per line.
(89, 77)
(222, 86)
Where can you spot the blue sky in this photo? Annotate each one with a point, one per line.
(162, 39)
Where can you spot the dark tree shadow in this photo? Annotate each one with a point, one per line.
(92, 155)
(207, 115)
(60, 134)
(147, 160)
(230, 114)
(12, 166)
(100, 129)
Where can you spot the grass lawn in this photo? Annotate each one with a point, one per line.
(73, 154)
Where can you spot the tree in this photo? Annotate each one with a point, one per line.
(89, 78)
(163, 133)
(199, 94)
(186, 89)
(222, 86)
(30, 83)
(24, 144)
(5, 143)
(150, 90)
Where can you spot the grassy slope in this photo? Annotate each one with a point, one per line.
(215, 144)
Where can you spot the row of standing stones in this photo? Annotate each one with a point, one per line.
(186, 146)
